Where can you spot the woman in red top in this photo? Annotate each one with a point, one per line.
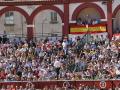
(2, 75)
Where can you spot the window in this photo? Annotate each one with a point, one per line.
(54, 17)
(9, 18)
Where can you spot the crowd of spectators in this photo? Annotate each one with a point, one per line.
(11, 87)
(88, 21)
(28, 86)
(64, 59)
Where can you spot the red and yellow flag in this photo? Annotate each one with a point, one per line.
(99, 28)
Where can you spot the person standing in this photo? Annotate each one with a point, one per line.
(57, 65)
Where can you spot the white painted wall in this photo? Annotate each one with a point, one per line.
(115, 4)
(61, 7)
(20, 24)
(104, 7)
(116, 20)
(18, 28)
(1, 7)
(72, 8)
(43, 19)
(29, 9)
(2, 25)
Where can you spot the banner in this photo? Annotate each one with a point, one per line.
(78, 29)
(94, 35)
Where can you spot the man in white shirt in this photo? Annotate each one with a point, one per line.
(64, 45)
(57, 65)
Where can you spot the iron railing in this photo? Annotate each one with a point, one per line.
(36, 36)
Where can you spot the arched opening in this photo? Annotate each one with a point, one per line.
(14, 22)
(88, 8)
(47, 23)
(42, 16)
(116, 21)
(88, 15)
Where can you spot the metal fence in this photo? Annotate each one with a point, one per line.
(37, 36)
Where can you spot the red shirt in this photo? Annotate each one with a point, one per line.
(2, 75)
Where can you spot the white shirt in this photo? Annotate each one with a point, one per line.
(57, 64)
(64, 44)
(117, 71)
(76, 60)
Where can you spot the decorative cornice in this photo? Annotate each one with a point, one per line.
(12, 3)
(47, 2)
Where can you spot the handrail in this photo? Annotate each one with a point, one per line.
(62, 80)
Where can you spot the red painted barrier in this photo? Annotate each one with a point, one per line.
(41, 84)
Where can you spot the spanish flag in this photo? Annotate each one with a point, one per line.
(90, 29)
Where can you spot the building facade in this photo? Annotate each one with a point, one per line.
(39, 18)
